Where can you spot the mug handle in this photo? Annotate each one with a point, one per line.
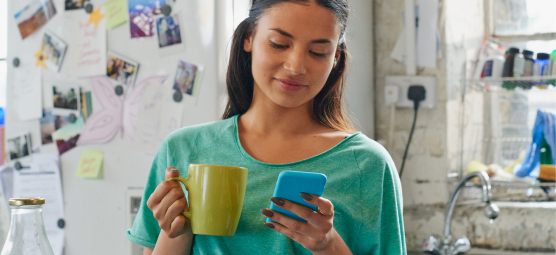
(186, 214)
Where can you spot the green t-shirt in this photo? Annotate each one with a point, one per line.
(362, 184)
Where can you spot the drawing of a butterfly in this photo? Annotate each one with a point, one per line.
(117, 114)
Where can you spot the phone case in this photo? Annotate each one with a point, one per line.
(291, 183)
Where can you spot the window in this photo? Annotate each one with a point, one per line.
(524, 17)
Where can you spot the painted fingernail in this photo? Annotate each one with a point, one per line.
(269, 225)
(173, 170)
(267, 213)
(277, 201)
(306, 196)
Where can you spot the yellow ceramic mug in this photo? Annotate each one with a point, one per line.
(216, 196)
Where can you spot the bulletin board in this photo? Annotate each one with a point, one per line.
(115, 77)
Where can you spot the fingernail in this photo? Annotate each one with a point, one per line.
(267, 213)
(277, 201)
(269, 225)
(306, 196)
(173, 170)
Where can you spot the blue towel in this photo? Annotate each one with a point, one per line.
(545, 123)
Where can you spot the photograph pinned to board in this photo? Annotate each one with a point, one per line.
(76, 4)
(53, 50)
(65, 99)
(50, 123)
(141, 16)
(86, 105)
(34, 16)
(66, 137)
(187, 78)
(122, 69)
(168, 28)
(19, 146)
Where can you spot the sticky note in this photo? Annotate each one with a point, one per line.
(90, 164)
(116, 13)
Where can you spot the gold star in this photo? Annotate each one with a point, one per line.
(40, 58)
(95, 17)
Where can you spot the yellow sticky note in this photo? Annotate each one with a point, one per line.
(90, 164)
(116, 13)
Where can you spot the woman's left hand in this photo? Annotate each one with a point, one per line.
(318, 234)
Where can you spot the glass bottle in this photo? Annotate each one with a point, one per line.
(26, 235)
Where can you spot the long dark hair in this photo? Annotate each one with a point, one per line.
(328, 103)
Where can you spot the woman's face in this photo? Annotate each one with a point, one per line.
(293, 50)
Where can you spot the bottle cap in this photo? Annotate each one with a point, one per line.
(528, 53)
(514, 50)
(27, 201)
(543, 56)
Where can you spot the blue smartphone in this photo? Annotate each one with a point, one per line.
(291, 183)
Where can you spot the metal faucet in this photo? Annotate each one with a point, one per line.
(462, 245)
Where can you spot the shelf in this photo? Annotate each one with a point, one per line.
(516, 184)
(512, 82)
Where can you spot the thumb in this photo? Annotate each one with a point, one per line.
(172, 172)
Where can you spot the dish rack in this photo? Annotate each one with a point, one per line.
(496, 126)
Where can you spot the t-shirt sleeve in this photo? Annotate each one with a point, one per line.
(382, 203)
(145, 229)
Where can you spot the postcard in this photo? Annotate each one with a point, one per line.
(54, 49)
(66, 100)
(19, 146)
(67, 136)
(121, 69)
(168, 28)
(141, 16)
(186, 77)
(34, 16)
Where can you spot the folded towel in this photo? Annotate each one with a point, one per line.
(545, 125)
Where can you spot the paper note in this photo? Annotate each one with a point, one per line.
(86, 55)
(159, 115)
(116, 13)
(90, 164)
(28, 93)
(42, 179)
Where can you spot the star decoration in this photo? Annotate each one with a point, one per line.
(95, 17)
(40, 58)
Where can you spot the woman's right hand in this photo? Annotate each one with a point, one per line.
(167, 202)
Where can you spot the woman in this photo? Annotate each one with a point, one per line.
(285, 84)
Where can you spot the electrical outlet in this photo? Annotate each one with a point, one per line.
(403, 83)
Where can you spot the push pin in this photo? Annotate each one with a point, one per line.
(88, 8)
(178, 96)
(18, 166)
(166, 9)
(61, 223)
(119, 90)
(41, 57)
(72, 118)
(16, 62)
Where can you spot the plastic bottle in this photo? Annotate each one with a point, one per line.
(519, 65)
(553, 66)
(492, 67)
(542, 65)
(27, 234)
(509, 67)
(529, 63)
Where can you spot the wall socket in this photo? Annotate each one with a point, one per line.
(400, 85)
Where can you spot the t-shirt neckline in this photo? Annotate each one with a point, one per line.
(249, 157)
